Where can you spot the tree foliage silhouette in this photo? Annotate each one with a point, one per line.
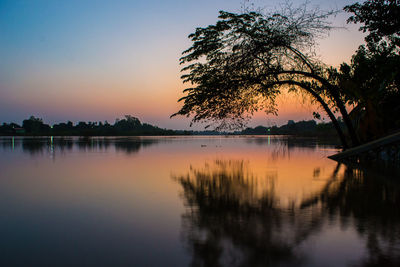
(371, 81)
(381, 19)
(239, 65)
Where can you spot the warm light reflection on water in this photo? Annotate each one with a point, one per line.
(205, 201)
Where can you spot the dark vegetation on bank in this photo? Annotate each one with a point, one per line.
(300, 128)
(127, 126)
(131, 126)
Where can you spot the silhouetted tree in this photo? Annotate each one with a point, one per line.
(240, 64)
(63, 127)
(35, 126)
(381, 19)
(128, 124)
(371, 82)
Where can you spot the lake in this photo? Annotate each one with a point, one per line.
(200, 201)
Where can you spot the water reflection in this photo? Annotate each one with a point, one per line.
(42, 145)
(372, 201)
(234, 216)
(247, 201)
(229, 222)
(293, 141)
(279, 146)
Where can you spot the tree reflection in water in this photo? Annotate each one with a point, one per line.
(234, 219)
(373, 202)
(43, 145)
(229, 222)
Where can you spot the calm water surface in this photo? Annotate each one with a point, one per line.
(200, 201)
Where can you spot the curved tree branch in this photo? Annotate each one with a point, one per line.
(319, 100)
(334, 92)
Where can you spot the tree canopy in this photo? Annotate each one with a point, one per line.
(371, 81)
(240, 64)
(380, 18)
(244, 61)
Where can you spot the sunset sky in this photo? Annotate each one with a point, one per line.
(95, 60)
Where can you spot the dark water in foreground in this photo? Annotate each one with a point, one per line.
(201, 201)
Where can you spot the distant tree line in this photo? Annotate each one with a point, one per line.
(132, 126)
(300, 128)
(126, 126)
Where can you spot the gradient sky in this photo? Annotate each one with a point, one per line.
(95, 60)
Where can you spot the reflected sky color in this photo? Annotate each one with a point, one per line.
(120, 201)
(98, 60)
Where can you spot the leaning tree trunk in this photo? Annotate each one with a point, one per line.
(345, 116)
(333, 119)
(334, 92)
(324, 105)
